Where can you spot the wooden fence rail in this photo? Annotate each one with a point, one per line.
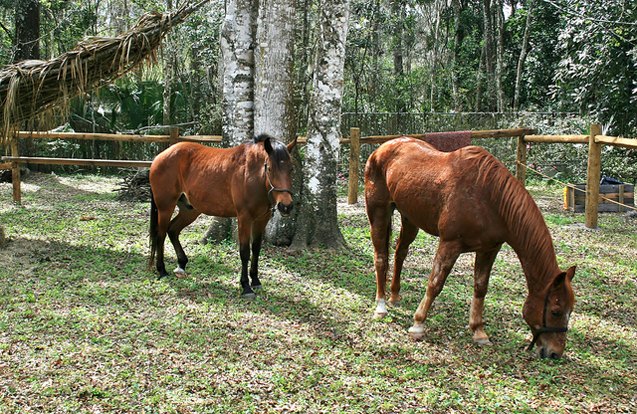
(594, 140)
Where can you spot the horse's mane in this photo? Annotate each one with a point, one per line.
(279, 150)
(516, 207)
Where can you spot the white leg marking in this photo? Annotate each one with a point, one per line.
(381, 309)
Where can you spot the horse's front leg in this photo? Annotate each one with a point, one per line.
(258, 229)
(245, 233)
(483, 265)
(446, 257)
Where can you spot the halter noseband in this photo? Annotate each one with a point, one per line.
(272, 187)
(544, 328)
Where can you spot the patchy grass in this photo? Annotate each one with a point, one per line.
(85, 327)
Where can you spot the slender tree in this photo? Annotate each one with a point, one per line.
(524, 49)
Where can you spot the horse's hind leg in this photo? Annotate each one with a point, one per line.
(408, 233)
(185, 217)
(380, 222)
(483, 265)
(446, 256)
(163, 222)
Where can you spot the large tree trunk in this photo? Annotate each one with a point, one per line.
(237, 48)
(27, 30)
(318, 222)
(274, 111)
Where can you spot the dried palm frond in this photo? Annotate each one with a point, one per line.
(31, 87)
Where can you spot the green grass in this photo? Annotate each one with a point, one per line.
(85, 327)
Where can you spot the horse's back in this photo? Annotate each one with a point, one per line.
(436, 191)
(201, 173)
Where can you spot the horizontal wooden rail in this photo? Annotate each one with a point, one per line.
(6, 166)
(617, 141)
(79, 161)
(555, 139)
(115, 137)
(487, 133)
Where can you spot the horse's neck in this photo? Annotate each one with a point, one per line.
(530, 238)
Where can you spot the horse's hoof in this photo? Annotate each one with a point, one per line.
(160, 276)
(483, 342)
(180, 273)
(256, 287)
(395, 301)
(248, 296)
(379, 315)
(416, 332)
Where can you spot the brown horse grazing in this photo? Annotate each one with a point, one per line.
(473, 204)
(247, 181)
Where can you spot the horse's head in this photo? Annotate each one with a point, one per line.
(278, 172)
(548, 315)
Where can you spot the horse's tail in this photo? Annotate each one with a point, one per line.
(152, 230)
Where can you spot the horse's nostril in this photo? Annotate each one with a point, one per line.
(285, 208)
(554, 355)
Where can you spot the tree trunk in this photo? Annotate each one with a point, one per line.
(318, 222)
(237, 49)
(487, 18)
(398, 11)
(27, 30)
(169, 60)
(457, 8)
(524, 50)
(274, 109)
(499, 59)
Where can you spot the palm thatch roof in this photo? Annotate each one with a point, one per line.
(29, 88)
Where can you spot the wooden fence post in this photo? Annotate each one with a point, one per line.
(174, 136)
(354, 164)
(15, 172)
(520, 166)
(592, 177)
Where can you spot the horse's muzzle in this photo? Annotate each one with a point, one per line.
(285, 209)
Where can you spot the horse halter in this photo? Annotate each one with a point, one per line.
(272, 187)
(544, 328)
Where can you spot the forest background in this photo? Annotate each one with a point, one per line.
(411, 66)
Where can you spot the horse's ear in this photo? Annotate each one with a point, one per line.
(292, 144)
(560, 279)
(268, 145)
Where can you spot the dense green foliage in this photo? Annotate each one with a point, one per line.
(407, 56)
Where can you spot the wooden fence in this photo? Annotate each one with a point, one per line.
(595, 140)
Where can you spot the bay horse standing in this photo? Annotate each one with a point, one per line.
(470, 201)
(247, 181)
